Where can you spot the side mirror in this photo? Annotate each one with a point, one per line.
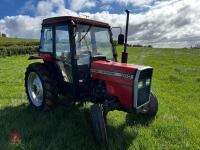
(121, 39)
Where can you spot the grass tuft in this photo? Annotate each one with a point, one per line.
(198, 80)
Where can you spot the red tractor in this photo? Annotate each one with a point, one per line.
(80, 62)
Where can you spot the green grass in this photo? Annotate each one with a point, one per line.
(176, 83)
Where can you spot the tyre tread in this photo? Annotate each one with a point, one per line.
(49, 84)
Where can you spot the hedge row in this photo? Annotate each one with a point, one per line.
(6, 44)
(9, 51)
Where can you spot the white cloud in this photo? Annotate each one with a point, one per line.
(106, 7)
(21, 26)
(2, 26)
(168, 22)
(43, 8)
(127, 2)
(28, 7)
(47, 7)
(174, 23)
(81, 4)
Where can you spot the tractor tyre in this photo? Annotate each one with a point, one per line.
(152, 107)
(41, 86)
(98, 124)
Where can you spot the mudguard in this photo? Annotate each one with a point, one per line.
(45, 57)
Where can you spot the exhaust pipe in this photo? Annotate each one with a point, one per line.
(124, 53)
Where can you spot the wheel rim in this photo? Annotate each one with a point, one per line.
(35, 89)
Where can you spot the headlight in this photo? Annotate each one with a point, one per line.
(148, 82)
(140, 84)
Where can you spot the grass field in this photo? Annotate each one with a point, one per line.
(176, 83)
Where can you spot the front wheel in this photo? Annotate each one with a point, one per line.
(98, 124)
(40, 86)
(151, 108)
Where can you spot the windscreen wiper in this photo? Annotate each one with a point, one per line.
(85, 33)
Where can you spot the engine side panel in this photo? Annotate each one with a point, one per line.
(122, 92)
(118, 77)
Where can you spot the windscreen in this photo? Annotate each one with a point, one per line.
(93, 41)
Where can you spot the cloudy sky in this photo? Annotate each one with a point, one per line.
(161, 23)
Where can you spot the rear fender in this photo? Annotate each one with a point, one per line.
(45, 57)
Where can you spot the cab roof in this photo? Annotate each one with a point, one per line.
(63, 19)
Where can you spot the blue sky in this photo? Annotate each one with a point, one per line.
(9, 9)
(161, 23)
(13, 8)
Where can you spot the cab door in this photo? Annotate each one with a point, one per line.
(63, 56)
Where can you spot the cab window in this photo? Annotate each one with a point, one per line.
(46, 40)
(63, 54)
(62, 41)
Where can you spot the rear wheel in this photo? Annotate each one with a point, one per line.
(98, 124)
(40, 86)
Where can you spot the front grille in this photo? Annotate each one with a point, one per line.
(143, 96)
(141, 89)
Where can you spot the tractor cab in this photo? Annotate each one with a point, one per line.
(73, 43)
